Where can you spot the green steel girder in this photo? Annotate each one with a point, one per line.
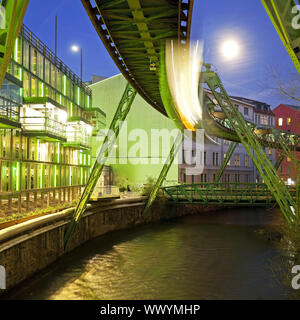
(138, 27)
(134, 33)
(251, 142)
(166, 167)
(286, 147)
(281, 15)
(108, 143)
(298, 199)
(226, 160)
(248, 194)
(11, 16)
(279, 160)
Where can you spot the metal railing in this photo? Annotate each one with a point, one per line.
(78, 137)
(223, 193)
(44, 124)
(27, 34)
(33, 199)
(10, 112)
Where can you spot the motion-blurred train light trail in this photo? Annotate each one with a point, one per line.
(183, 67)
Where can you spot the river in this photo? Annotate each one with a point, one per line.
(219, 255)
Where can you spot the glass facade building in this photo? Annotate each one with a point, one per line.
(46, 123)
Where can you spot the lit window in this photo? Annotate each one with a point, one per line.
(280, 122)
(246, 161)
(289, 121)
(237, 160)
(264, 120)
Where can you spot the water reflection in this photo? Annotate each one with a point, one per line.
(220, 255)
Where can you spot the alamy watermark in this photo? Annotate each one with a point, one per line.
(142, 147)
(2, 278)
(296, 278)
(296, 18)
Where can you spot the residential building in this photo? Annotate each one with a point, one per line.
(240, 167)
(288, 119)
(47, 120)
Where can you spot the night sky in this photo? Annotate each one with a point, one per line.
(213, 22)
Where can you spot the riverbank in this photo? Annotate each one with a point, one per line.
(215, 255)
(31, 246)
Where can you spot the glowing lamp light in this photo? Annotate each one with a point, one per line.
(75, 48)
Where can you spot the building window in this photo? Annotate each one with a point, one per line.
(246, 161)
(264, 120)
(203, 177)
(280, 122)
(237, 160)
(215, 158)
(246, 111)
(270, 151)
(289, 121)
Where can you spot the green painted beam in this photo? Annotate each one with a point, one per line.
(298, 199)
(11, 14)
(229, 153)
(251, 143)
(233, 194)
(281, 15)
(279, 160)
(163, 174)
(108, 143)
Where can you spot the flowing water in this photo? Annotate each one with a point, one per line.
(218, 255)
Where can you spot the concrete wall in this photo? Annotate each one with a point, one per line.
(106, 95)
(33, 245)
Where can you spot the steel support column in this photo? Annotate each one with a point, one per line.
(11, 17)
(250, 142)
(298, 199)
(279, 160)
(108, 143)
(229, 153)
(163, 173)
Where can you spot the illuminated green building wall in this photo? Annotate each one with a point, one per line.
(46, 121)
(107, 94)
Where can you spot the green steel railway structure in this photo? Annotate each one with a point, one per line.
(135, 33)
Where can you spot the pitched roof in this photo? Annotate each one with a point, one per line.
(293, 107)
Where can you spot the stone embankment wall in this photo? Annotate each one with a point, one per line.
(31, 246)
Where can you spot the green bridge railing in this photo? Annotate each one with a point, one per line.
(223, 194)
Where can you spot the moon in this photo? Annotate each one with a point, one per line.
(230, 49)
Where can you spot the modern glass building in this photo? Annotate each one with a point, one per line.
(47, 120)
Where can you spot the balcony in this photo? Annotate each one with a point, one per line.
(97, 119)
(44, 128)
(78, 136)
(10, 101)
(45, 119)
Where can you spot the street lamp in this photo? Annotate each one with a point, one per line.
(76, 48)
